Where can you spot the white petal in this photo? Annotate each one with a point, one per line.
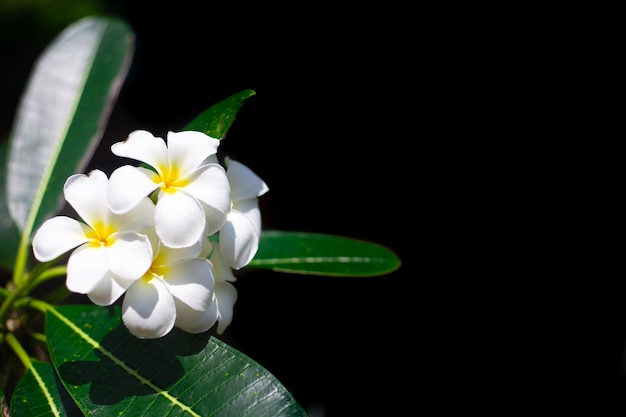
(130, 254)
(221, 270)
(194, 321)
(226, 295)
(128, 186)
(142, 146)
(148, 310)
(249, 208)
(188, 149)
(87, 265)
(244, 182)
(179, 219)
(210, 185)
(87, 195)
(215, 219)
(138, 219)
(108, 290)
(167, 255)
(239, 240)
(191, 281)
(57, 236)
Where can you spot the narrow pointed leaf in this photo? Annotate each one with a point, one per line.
(322, 254)
(9, 235)
(216, 120)
(110, 372)
(62, 114)
(40, 393)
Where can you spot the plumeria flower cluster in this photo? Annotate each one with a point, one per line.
(164, 237)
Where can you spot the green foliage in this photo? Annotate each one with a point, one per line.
(107, 370)
(62, 115)
(216, 120)
(322, 254)
(40, 392)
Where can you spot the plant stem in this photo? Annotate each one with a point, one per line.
(6, 305)
(19, 350)
(39, 274)
(21, 258)
(40, 305)
(42, 276)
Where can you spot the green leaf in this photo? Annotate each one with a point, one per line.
(9, 235)
(216, 120)
(108, 371)
(322, 254)
(40, 393)
(62, 114)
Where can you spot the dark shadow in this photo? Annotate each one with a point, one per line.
(155, 360)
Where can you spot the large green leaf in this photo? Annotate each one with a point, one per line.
(62, 114)
(322, 254)
(109, 372)
(9, 235)
(216, 120)
(40, 393)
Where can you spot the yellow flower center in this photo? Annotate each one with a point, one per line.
(157, 269)
(100, 234)
(171, 179)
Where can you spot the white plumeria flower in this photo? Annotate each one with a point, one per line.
(110, 250)
(239, 237)
(177, 290)
(193, 195)
(224, 293)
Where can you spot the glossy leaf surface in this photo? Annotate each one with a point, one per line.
(40, 393)
(216, 120)
(322, 254)
(62, 115)
(108, 371)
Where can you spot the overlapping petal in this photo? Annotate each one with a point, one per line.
(188, 149)
(143, 146)
(224, 293)
(179, 219)
(128, 185)
(210, 185)
(140, 219)
(215, 219)
(130, 254)
(225, 298)
(239, 240)
(194, 321)
(250, 208)
(107, 291)
(191, 281)
(87, 265)
(148, 309)
(57, 236)
(240, 235)
(244, 182)
(87, 195)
